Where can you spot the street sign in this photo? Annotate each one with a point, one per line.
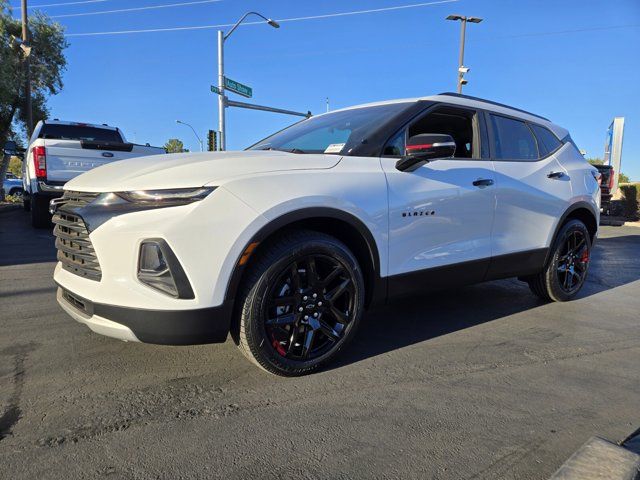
(216, 90)
(238, 87)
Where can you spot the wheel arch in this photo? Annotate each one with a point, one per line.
(340, 224)
(582, 211)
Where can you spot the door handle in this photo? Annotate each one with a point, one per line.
(555, 175)
(483, 182)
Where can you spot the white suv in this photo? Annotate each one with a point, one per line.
(285, 244)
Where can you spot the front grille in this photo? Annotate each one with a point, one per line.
(75, 250)
(79, 199)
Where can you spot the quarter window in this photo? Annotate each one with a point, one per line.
(547, 141)
(512, 139)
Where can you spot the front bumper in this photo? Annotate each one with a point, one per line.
(207, 238)
(163, 327)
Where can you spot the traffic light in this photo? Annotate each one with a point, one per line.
(213, 141)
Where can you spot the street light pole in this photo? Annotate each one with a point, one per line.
(222, 100)
(463, 28)
(194, 132)
(27, 70)
(221, 97)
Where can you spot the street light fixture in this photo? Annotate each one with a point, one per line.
(461, 68)
(222, 99)
(194, 132)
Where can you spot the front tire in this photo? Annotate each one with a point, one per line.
(301, 303)
(16, 192)
(568, 264)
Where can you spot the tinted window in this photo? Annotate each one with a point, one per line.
(547, 141)
(79, 132)
(445, 120)
(512, 139)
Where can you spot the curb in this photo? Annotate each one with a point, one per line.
(600, 459)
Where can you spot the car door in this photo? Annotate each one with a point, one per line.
(441, 214)
(532, 192)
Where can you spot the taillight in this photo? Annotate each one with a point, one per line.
(40, 161)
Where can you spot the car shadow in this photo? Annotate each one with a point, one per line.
(20, 243)
(406, 321)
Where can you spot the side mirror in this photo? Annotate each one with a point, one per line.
(424, 148)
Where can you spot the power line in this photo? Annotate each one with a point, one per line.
(295, 19)
(63, 4)
(135, 9)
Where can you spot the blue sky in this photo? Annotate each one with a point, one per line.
(574, 61)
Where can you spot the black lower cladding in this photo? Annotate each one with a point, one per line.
(466, 273)
(163, 327)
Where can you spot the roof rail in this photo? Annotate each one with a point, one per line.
(469, 97)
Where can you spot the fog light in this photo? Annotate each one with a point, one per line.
(159, 268)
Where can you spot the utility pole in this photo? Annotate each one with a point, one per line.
(463, 27)
(27, 70)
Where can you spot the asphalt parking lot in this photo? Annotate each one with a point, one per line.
(483, 382)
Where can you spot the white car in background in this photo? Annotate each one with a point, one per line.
(284, 245)
(59, 151)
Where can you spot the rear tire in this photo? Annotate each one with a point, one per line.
(300, 303)
(568, 264)
(40, 217)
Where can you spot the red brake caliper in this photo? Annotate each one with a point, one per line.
(585, 256)
(279, 348)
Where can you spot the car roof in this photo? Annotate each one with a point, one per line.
(475, 102)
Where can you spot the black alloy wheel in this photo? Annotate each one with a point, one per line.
(310, 307)
(565, 271)
(300, 303)
(573, 262)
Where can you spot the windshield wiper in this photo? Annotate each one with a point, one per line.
(288, 150)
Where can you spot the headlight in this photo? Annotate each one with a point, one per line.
(174, 196)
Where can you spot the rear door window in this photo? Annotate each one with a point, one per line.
(512, 139)
(79, 132)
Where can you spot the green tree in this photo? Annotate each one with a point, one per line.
(15, 166)
(174, 145)
(47, 62)
(595, 161)
(622, 178)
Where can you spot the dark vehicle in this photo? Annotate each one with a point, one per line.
(606, 185)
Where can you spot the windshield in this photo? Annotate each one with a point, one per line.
(79, 132)
(336, 132)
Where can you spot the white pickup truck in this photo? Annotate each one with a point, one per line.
(59, 151)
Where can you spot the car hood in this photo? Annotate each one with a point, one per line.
(183, 170)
